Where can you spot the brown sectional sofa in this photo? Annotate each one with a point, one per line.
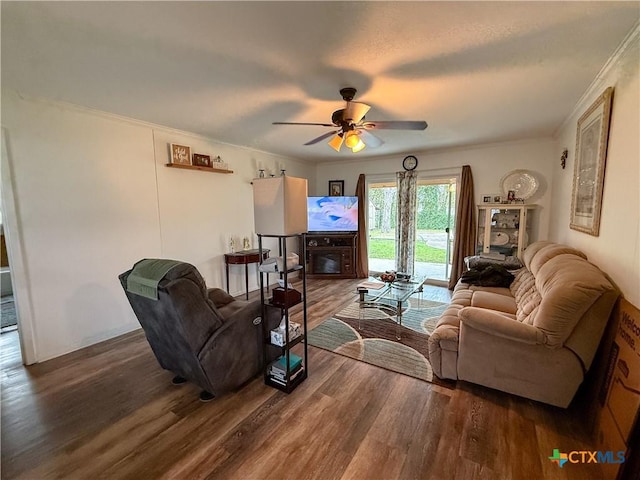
(535, 339)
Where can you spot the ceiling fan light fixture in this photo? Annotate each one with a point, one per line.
(352, 139)
(353, 129)
(336, 142)
(359, 146)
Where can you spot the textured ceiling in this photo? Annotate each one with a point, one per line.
(477, 72)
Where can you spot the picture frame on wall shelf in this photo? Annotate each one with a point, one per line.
(487, 198)
(179, 154)
(497, 198)
(592, 139)
(336, 188)
(200, 160)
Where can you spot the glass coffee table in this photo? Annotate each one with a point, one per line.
(390, 297)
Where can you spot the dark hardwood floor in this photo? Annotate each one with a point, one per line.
(109, 411)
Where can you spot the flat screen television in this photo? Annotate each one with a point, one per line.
(332, 214)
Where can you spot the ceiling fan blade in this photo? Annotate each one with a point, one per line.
(355, 111)
(304, 123)
(370, 139)
(320, 138)
(395, 125)
(336, 142)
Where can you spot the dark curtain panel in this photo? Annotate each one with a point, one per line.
(464, 243)
(362, 260)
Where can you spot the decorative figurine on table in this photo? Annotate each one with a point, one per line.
(232, 245)
(246, 244)
(388, 276)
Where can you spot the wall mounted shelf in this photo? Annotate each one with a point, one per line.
(194, 167)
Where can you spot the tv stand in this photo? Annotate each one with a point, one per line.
(331, 255)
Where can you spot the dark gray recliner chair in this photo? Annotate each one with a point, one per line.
(201, 335)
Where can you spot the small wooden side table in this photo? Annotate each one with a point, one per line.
(244, 257)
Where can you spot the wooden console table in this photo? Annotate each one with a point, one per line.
(244, 257)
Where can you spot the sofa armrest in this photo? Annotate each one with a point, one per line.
(219, 297)
(498, 324)
(246, 318)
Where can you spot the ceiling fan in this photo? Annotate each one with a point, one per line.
(352, 129)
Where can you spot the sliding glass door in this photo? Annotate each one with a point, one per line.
(435, 220)
(381, 224)
(435, 210)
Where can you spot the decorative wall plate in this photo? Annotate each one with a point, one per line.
(499, 238)
(523, 182)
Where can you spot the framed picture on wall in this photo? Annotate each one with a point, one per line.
(180, 154)
(200, 160)
(336, 188)
(588, 174)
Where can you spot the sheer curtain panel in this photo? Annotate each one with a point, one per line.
(406, 221)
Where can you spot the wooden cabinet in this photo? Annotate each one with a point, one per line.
(331, 255)
(288, 345)
(505, 229)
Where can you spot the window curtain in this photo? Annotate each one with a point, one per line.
(464, 242)
(362, 254)
(406, 221)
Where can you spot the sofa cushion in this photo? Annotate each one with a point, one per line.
(493, 301)
(186, 274)
(569, 286)
(521, 283)
(219, 297)
(450, 315)
(525, 295)
(532, 249)
(496, 290)
(462, 297)
(548, 252)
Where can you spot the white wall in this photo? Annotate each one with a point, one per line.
(489, 163)
(617, 248)
(92, 196)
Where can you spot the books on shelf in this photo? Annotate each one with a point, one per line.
(282, 382)
(281, 377)
(280, 364)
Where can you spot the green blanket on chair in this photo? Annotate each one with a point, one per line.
(145, 276)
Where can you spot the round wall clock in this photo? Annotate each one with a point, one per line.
(410, 162)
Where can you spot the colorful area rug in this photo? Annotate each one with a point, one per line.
(372, 338)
